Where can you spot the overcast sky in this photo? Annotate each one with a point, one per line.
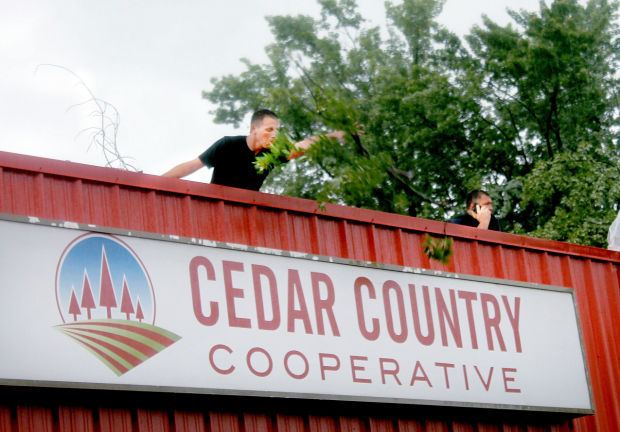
(151, 59)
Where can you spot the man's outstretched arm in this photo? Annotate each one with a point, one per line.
(184, 169)
(302, 146)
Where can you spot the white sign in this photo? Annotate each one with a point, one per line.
(130, 311)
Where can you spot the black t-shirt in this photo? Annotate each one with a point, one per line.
(467, 219)
(233, 163)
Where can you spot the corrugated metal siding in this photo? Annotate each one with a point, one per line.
(59, 190)
(74, 419)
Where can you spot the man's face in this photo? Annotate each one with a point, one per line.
(484, 201)
(265, 132)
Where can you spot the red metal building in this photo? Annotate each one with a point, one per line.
(43, 188)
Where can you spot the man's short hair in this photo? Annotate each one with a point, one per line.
(260, 114)
(474, 196)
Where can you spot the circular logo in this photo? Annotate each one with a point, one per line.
(100, 277)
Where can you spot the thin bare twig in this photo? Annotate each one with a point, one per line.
(105, 134)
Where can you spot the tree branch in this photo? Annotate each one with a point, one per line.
(107, 142)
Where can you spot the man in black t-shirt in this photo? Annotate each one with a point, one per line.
(232, 157)
(233, 163)
(479, 207)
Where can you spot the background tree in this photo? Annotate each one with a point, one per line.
(551, 89)
(440, 119)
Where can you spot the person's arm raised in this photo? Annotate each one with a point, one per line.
(184, 169)
(302, 146)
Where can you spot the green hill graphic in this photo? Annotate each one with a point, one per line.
(120, 344)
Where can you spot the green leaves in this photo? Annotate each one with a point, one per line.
(279, 152)
(579, 190)
(527, 111)
(438, 249)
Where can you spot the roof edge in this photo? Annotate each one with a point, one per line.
(186, 187)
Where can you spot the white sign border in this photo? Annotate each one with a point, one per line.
(305, 256)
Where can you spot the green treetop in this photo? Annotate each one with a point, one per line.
(529, 112)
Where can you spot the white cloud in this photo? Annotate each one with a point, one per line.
(151, 60)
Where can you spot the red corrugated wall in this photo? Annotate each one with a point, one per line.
(66, 191)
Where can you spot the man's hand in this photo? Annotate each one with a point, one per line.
(339, 135)
(483, 216)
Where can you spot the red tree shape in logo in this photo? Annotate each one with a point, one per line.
(74, 307)
(126, 304)
(88, 302)
(107, 298)
(139, 313)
